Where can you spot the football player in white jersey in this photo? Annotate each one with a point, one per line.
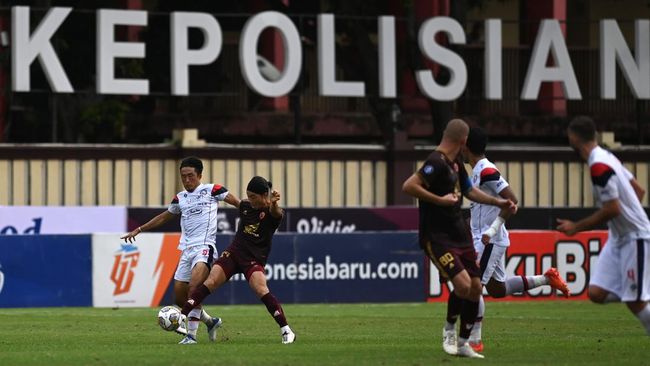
(491, 237)
(197, 205)
(621, 272)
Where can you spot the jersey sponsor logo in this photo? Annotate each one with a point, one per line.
(252, 229)
(428, 169)
(122, 274)
(262, 214)
(600, 174)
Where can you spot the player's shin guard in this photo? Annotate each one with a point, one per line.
(195, 299)
(468, 313)
(275, 309)
(193, 319)
(454, 305)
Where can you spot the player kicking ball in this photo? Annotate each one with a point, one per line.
(490, 235)
(260, 216)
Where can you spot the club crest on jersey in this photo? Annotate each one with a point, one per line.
(204, 192)
(428, 169)
(262, 214)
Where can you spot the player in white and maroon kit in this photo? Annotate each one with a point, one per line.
(621, 272)
(490, 235)
(197, 205)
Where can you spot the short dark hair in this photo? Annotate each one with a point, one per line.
(259, 185)
(192, 162)
(477, 140)
(584, 128)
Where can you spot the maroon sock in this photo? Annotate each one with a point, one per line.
(195, 299)
(454, 304)
(274, 308)
(468, 314)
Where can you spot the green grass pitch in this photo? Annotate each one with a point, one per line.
(515, 333)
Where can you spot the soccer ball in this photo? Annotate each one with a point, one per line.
(169, 318)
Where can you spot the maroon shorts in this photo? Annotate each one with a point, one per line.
(234, 261)
(450, 261)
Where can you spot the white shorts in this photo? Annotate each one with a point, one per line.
(492, 261)
(190, 257)
(622, 269)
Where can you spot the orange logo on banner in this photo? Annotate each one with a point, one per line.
(167, 261)
(125, 262)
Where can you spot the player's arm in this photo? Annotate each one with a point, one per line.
(610, 210)
(151, 224)
(640, 192)
(275, 209)
(479, 196)
(232, 200)
(415, 186)
(504, 215)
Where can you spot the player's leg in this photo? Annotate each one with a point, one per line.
(635, 258)
(475, 337)
(606, 278)
(469, 310)
(203, 257)
(181, 285)
(257, 282)
(486, 265)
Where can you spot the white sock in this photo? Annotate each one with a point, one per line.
(536, 281)
(193, 320)
(450, 326)
(286, 328)
(515, 285)
(476, 330)
(205, 317)
(644, 317)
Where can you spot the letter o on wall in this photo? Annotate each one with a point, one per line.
(292, 54)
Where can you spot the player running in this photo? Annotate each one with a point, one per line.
(444, 236)
(197, 205)
(260, 216)
(621, 272)
(490, 235)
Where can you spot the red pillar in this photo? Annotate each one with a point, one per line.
(551, 99)
(272, 48)
(413, 100)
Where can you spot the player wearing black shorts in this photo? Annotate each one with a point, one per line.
(439, 186)
(260, 216)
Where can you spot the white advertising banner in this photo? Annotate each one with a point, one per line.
(62, 220)
(133, 274)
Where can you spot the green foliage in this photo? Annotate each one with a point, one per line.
(104, 121)
(539, 333)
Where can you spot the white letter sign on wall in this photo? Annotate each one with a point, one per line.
(108, 50)
(327, 84)
(182, 55)
(613, 50)
(387, 64)
(550, 39)
(493, 68)
(292, 54)
(442, 56)
(24, 49)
